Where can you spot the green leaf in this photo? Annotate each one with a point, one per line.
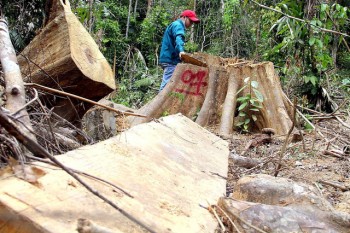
(254, 109)
(312, 41)
(243, 105)
(313, 80)
(323, 7)
(319, 43)
(255, 84)
(145, 82)
(254, 118)
(242, 114)
(246, 121)
(239, 123)
(258, 95)
(257, 105)
(242, 99)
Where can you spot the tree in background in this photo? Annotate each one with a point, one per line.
(289, 33)
(24, 18)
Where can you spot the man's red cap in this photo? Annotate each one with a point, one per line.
(191, 15)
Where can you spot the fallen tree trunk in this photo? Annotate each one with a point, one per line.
(209, 95)
(269, 218)
(64, 56)
(275, 204)
(15, 93)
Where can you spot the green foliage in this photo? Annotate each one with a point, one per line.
(346, 84)
(307, 126)
(152, 29)
(301, 52)
(138, 88)
(231, 13)
(344, 59)
(24, 18)
(165, 113)
(250, 104)
(177, 95)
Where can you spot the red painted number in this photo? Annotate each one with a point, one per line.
(193, 80)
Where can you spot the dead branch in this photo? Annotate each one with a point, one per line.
(83, 99)
(335, 185)
(231, 221)
(245, 162)
(342, 122)
(334, 154)
(36, 149)
(302, 115)
(212, 209)
(260, 139)
(243, 221)
(283, 150)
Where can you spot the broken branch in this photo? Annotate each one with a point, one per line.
(83, 99)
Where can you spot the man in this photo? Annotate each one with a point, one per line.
(173, 44)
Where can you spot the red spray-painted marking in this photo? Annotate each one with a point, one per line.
(193, 80)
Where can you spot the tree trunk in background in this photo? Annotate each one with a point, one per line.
(309, 13)
(64, 56)
(90, 19)
(192, 28)
(135, 8)
(209, 95)
(128, 20)
(149, 7)
(15, 93)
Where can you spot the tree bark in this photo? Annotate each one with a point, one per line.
(15, 93)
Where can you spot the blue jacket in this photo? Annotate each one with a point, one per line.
(173, 43)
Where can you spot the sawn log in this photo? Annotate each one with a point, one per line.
(64, 56)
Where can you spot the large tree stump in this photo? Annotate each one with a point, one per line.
(64, 56)
(209, 95)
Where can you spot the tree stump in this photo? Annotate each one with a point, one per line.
(209, 96)
(64, 56)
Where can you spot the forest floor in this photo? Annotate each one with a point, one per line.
(309, 165)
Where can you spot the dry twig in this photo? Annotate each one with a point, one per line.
(283, 150)
(335, 185)
(83, 99)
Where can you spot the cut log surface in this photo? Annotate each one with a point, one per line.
(166, 176)
(64, 56)
(209, 95)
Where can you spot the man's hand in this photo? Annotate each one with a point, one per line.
(181, 53)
